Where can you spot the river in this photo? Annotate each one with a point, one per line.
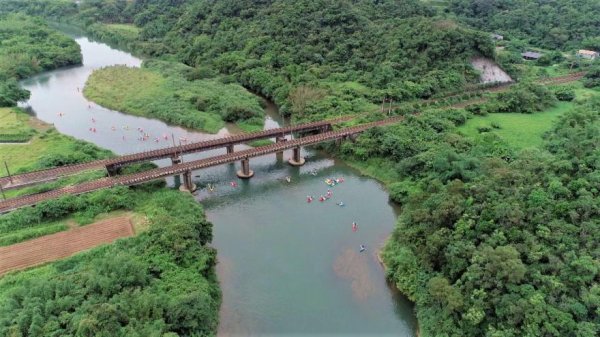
(286, 267)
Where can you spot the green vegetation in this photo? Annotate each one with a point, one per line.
(14, 126)
(119, 34)
(28, 46)
(15, 236)
(592, 77)
(47, 148)
(562, 24)
(498, 234)
(523, 98)
(168, 91)
(159, 283)
(36, 221)
(484, 225)
(518, 130)
(311, 57)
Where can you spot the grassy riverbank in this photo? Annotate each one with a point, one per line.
(161, 282)
(45, 148)
(14, 126)
(163, 279)
(168, 91)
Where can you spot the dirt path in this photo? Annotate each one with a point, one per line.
(60, 245)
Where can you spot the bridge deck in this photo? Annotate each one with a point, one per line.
(40, 176)
(158, 173)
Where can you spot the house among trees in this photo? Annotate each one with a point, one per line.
(588, 54)
(531, 55)
(497, 37)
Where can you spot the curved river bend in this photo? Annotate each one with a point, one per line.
(286, 267)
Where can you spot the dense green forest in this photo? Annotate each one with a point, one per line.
(492, 241)
(160, 283)
(339, 56)
(557, 24)
(28, 46)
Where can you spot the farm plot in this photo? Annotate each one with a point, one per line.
(60, 245)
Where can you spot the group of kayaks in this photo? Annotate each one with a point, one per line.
(332, 182)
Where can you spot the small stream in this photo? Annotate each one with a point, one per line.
(286, 266)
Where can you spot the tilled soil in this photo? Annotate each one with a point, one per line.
(60, 245)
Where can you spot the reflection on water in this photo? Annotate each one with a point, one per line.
(56, 98)
(286, 267)
(289, 267)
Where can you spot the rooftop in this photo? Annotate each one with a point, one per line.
(531, 55)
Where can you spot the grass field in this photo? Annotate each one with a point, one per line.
(128, 32)
(518, 130)
(14, 126)
(161, 90)
(45, 145)
(526, 130)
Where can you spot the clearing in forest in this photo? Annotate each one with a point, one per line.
(60, 245)
(519, 130)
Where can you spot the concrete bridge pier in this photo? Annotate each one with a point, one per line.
(229, 149)
(112, 170)
(176, 160)
(280, 139)
(279, 154)
(245, 172)
(296, 159)
(188, 184)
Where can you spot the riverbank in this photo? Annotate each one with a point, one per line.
(170, 92)
(45, 148)
(163, 278)
(30, 47)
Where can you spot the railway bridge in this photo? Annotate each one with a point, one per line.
(186, 169)
(175, 152)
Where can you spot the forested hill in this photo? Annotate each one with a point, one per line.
(387, 45)
(563, 24)
(349, 54)
(28, 46)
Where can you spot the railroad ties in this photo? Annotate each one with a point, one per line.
(159, 173)
(36, 177)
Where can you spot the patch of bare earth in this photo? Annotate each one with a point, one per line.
(60, 245)
(490, 71)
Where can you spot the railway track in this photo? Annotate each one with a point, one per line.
(159, 173)
(503, 87)
(40, 176)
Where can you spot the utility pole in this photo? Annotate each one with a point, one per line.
(2, 190)
(382, 103)
(173, 138)
(7, 171)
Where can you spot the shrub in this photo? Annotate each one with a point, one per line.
(564, 94)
